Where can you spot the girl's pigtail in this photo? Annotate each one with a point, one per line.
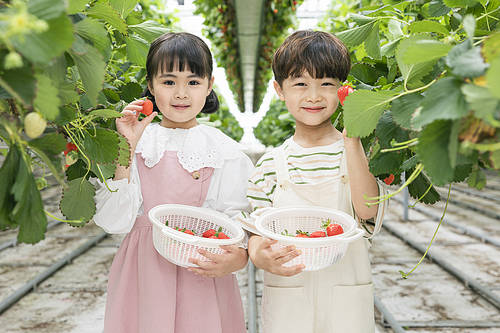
(150, 96)
(211, 103)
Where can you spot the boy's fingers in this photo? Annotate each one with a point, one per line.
(267, 242)
(283, 251)
(289, 256)
(291, 271)
(229, 248)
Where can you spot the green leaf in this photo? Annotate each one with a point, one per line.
(389, 49)
(361, 19)
(443, 100)
(67, 93)
(137, 50)
(51, 143)
(355, 36)
(46, 9)
(104, 11)
(435, 9)
(107, 170)
(459, 3)
(43, 47)
(90, 66)
(148, 30)
(428, 26)
(491, 47)
(469, 23)
(131, 91)
(8, 176)
(47, 101)
(75, 6)
(477, 178)
(465, 61)
(419, 186)
(124, 155)
(19, 83)
(77, 201)
(387, 131)
(372, 43)
(424, 50)
(124, 7)
(362, 110)
(365, 73)
(493, 77)
(28, 210)
(105, 113)
(403, 109)
(413, 74)
(480, 100)
(385, 163)
(462, 171)
(495, 159)
(95, 32)
(409, 164)
(432, 150)
(453, 144)
(102, 146)
(395, 31)
(66, 114)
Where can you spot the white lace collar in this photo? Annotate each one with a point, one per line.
(197, 147)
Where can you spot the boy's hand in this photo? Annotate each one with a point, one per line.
(233, 259)
(349, 140)
(129, 125)
(264, 257)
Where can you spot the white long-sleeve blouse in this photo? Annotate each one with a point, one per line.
(197, 147)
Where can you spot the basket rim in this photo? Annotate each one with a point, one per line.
(305, 241)
(194, 239)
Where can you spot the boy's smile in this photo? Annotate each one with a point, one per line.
(311, 101)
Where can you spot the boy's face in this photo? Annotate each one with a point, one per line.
(310, 101)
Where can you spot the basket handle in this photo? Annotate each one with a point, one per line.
(358, 233)
(183, 237)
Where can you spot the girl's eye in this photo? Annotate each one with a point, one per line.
(169, 82)
(194, 83)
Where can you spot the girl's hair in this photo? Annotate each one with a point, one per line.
(319, 53)
(180, 50)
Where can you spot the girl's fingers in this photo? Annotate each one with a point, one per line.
(209, 255)
(291, 271)
(283, 252)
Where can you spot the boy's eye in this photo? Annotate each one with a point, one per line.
(327, 84)
(169, 82)
(300, 84)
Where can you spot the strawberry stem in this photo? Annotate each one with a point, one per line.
(405, 275)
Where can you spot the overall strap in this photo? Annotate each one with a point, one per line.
(281, 165)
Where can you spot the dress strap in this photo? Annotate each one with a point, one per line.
(282, 174)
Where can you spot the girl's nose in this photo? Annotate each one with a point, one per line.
(181, 93)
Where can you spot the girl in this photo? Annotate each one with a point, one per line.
(176, 161)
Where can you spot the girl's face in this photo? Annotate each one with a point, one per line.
(180, 96)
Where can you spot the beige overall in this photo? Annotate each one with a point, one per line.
(337, 299)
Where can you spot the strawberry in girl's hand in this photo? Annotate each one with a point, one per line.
(147, 107)
(342, 93)
(222, 235)
(389, 179)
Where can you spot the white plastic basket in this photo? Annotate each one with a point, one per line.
(176, 246)
(317, 253)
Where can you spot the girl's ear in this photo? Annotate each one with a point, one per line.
(150, 87)
(210, 85)
(279, 90)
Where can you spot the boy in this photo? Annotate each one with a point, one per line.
(318, 166)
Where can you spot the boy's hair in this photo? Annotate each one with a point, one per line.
(319, 53)
(181, 50)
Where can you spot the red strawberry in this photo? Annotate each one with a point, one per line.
(303, 234)
(213, 237)
(334, 229)
(317, 234)
(389, 179)
(189, 232)
(209, 233)
(147, 107)
(342, 93)
(222, 235)
(69, 147)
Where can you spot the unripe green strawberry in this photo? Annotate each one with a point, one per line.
(13, 60)
(34, 125)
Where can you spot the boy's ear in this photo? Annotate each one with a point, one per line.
(279, 91)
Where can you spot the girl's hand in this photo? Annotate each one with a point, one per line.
(129, 125)
(233, 259)
(264, 257)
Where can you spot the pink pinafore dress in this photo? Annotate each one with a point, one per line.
(147, 293)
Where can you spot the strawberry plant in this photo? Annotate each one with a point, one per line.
(66, 70)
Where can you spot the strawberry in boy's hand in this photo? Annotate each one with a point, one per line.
(209, 233)
(342, 93)
(147, 107)
(389, 179)
(317, 234)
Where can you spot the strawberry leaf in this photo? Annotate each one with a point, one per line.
(77, 202)
(419, 186)
(8, 177)
(102, 146)
(403, 109)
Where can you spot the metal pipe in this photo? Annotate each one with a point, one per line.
(26, 288)
(464, 278)
(387, 316)
(252, 301)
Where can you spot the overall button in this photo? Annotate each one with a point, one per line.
(196, 175)
(344, 179)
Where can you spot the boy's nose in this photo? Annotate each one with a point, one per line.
(313, 96)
